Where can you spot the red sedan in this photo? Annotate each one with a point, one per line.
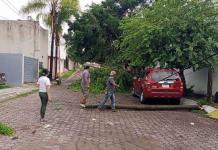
(159, 83)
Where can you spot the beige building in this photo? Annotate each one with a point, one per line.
(24, 37)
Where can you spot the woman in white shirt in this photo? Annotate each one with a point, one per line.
(44, 86)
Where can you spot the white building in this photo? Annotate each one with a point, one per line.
(25, 37)
(24, 46)
(198, 80)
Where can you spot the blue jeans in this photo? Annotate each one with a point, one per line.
(107, 96)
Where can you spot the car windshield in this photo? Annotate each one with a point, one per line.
(160, 75)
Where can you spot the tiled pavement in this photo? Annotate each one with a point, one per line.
(72, 128)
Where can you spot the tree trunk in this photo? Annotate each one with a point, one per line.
(181, 73)
(74, 65)
(56, 54)
(52, 43)
(51, 57)
(209, 84)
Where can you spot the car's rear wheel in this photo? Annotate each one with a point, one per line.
(142, 98)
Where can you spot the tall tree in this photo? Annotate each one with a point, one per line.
(177, 34)
(92, 36)
(51, 17)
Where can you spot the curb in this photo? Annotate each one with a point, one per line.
(149, 107)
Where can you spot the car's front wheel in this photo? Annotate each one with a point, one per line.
(142, 98)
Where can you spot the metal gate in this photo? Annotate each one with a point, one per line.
(30, 69)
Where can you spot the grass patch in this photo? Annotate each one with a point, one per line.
(3, 86)
(205, 102)
(6, 130)
(67, 74)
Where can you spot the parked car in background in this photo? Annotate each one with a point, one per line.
(158, 83)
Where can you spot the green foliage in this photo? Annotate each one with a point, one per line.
(205, 102)
(67, 74)
(6, 130)
(175, 33)
(124, 79)
(75, 86)
(40, 72)
(3, 86)
(99, 78)
(92, 36)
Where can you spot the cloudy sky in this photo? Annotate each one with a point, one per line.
(9, 9)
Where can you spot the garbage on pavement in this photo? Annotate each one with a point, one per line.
(212, 112)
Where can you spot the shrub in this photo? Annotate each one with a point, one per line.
(99, 78)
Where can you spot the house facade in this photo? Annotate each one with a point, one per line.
(26, 41)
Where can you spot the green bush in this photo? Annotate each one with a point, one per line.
(75, 86)
(40, 72)
(205, 102)
(5, 130)
(99, 78)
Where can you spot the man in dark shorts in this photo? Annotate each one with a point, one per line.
(109, 93)
(85, 83)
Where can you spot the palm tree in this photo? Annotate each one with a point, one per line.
(52, 18)
(63, 16)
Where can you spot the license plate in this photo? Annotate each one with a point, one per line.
(165, 85)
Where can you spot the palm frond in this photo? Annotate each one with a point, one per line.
(34, 6)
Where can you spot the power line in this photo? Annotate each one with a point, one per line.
(9, 6)
(9, 2)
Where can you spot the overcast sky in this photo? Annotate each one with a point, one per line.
(9, 8)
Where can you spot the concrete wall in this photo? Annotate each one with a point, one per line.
(24, 37)
(199, 80)
(12, 65)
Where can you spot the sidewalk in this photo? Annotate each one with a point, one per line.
(14, 91)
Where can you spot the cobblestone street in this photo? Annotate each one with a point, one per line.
(71, 128)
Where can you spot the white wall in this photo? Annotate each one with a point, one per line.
(199, 80)
(25, 37)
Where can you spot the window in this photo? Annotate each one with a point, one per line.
(160, 75)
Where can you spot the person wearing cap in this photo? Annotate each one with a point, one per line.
(44, 94)
(85, 83)
(109, 93)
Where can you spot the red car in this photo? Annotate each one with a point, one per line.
(158, 83)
